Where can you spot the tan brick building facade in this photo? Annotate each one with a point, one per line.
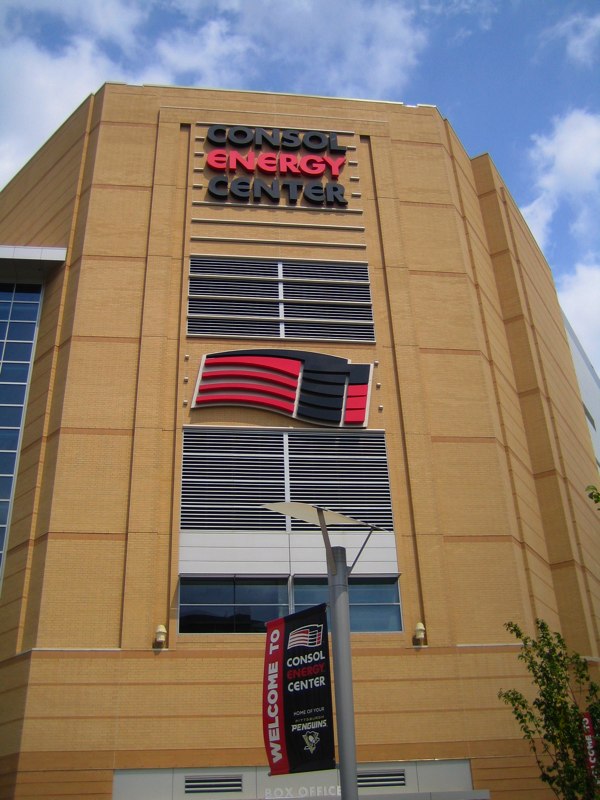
(473, 387)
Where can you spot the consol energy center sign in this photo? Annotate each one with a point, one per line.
(258, 163)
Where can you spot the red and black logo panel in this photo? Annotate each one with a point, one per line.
(318, 388)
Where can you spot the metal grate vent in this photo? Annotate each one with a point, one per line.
(280, 299)
(197, 784)
(270, 465)
(395, 777)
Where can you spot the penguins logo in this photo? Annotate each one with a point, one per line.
(312, 740)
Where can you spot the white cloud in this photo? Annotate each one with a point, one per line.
(567, 171)
(60, 53)
(212, 54)
(579, 295)
(107, 20)
(30, 115)
(581, 35)
(340, 47)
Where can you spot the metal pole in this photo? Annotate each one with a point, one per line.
(342, 670)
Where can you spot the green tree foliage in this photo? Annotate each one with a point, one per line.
(552, 723)
(593, 494)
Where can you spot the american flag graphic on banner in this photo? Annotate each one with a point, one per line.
(307, 636)
(319, 388)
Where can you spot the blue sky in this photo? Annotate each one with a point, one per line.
(519, 79)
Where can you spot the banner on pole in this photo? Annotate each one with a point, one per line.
(591, 750)
(297, 708)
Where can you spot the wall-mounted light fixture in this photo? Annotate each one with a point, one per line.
(160, 636)
(420, 634)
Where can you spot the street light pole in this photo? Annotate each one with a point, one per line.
(339, 606)
(342, 669)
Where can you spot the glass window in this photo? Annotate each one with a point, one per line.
(10, 416)
(231, 605)
(244, 605)
(21, 331)
(9, 438)
(310, 592)
(17, 351)
(374, 602)
(210, 591)
(7, 463)
(26, 312)
(27, 291)
(19, 305)
(12, 392)
(13, 372)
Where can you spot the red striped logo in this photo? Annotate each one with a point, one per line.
(319, 388)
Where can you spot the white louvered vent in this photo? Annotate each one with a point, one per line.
(280, 299)
(200, 784)
(229, 473)
(392, 778)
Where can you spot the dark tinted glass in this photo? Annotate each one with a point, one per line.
(12, 372)
(206, 619)
(9, 439)
(28, 291)
(231, 605)
(373, 590)
(17, 351)
(21, 331)
(268, 592)
(25, 311)
(5, 487)
(10, 416)
(207, 591)
(7, 463)
(310, 591)
(252, 619)
(12, 393)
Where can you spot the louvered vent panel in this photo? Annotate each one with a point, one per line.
(217, 286)
(347, 473)
(324, 291)
(229, 473)
(242, 298)
(327, 311)
(356, 271)
(225, 307)
(196, 784)
(200, 265)
(233, 327)
(382, 779)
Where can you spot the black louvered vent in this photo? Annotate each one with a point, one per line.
(229, 473)
(201, 784)
(396, 777)
(280, 299)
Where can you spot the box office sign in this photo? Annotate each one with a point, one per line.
(275, 164)
(297, 709)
